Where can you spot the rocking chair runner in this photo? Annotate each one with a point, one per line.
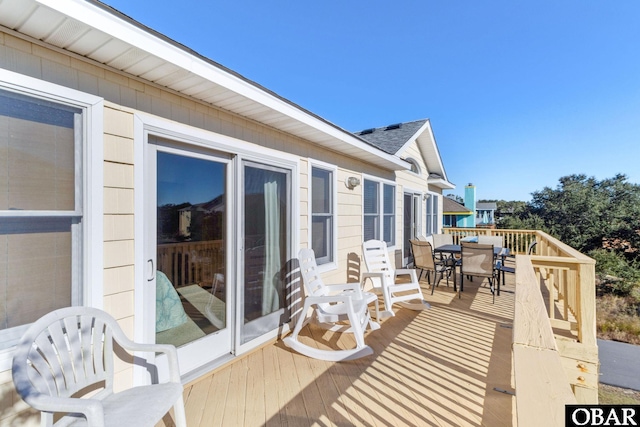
(332, 304)
(384, 279)
(71, 350)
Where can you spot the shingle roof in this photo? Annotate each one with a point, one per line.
(487, 206)
(450, 205)
(391, 138)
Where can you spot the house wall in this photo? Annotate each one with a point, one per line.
(124, 95)
(410, 181)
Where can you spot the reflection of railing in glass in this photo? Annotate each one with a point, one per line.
(188, 263)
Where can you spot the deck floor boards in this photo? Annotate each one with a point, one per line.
(437, 367)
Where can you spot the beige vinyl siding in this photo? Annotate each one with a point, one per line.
(124, 95)
(304, 204)
(409, 179)
(119, 242)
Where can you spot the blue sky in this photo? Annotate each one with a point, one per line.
(519, 93)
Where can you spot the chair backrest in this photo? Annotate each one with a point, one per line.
(64, 352)
(313, 284)
(428, 238)
(442, 239)
(497, 241)
(376, 258)
(477, 259)
(532, 247)
(422, 255)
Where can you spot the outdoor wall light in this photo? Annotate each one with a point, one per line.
(352, 182)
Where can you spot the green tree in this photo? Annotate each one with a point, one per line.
(589, 214)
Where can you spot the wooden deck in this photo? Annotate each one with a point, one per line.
(437, 367)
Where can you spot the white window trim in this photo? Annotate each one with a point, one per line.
(438, 213)
(93, 180)
(333, 264)
(415, 163)
(381, 206)
(420, 226)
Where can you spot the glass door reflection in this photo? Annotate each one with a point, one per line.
(191, 294)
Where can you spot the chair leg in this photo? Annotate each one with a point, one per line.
(493, 291)
(180, 417)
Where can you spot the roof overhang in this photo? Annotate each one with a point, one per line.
(460, 213)
(440, 183)
(98, 32)
(427, 145)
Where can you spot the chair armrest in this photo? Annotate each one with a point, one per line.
(371, 275)
(407, 271)
(354, 287)
(345, 298)
(90, 408)
(168, 349)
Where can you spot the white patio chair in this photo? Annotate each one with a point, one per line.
(384, 279)
(71, 350)
(332, 304)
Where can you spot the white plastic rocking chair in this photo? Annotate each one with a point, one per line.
(71, 350)
(383, 276)
(332, 304)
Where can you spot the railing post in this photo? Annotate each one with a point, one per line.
(587, 301)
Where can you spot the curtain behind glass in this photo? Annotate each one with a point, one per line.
(270, 300)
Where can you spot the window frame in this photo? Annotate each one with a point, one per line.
(432, 213)
(414, 165)
(329, 262)
(88, 235)
(381, 213)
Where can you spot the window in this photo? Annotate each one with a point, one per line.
(41, 206)
(415, 168)
(450, 221)
(379, 211)
(322, 214)
(432, 213)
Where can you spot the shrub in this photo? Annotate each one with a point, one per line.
(616, 274)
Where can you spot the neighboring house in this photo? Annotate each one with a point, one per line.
(486, 214)
(131, 163)
(454, 214)
(458, 215)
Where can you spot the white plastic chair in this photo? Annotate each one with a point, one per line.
(71, 350)
(384, 279)
(332, 304)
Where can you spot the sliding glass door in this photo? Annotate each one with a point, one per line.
(266, 248)
(219, 242)
(411, 223)
(188, 249)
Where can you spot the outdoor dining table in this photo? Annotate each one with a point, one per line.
(457, 250)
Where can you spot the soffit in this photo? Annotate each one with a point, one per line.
(98, 32)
